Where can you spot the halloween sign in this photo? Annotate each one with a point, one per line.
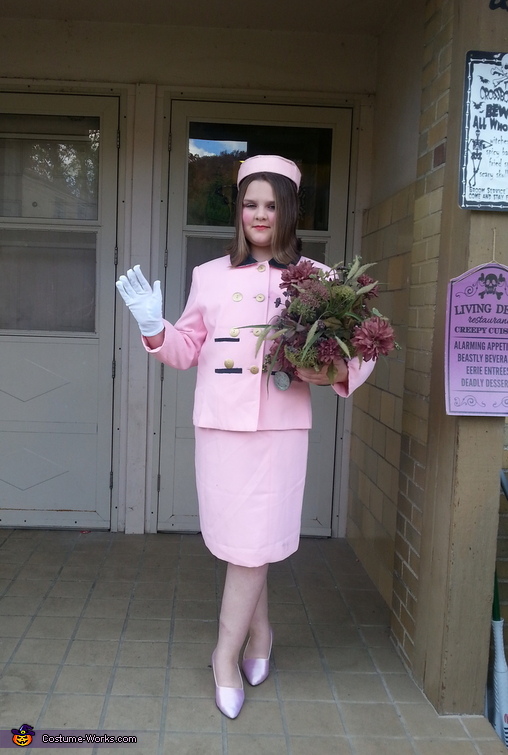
(476, 349)
(484, 153)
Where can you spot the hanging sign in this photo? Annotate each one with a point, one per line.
(484, 152)
(476, 356)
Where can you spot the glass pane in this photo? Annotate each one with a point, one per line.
(49, 166)
(215, 152)
(48, 280)
(315, 250)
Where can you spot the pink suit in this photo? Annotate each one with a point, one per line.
(251, 477)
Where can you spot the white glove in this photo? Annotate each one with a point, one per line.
(144, 302)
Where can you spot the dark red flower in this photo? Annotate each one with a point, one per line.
(327, 350)
(366, 280)
(373, 337)
(293, 275)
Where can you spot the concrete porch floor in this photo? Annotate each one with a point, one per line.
(105, 631)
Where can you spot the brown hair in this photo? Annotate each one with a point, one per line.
(286, 245)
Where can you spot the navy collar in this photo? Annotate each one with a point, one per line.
(251, 261)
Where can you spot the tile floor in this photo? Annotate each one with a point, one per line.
(105, 631)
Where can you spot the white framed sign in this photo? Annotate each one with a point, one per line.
(484, 153)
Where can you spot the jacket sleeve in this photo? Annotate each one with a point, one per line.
(183, 340)
(358, 372)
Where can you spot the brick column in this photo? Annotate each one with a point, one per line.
(449, 489)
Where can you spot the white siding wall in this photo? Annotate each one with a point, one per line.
(398, 94)
(187, 57)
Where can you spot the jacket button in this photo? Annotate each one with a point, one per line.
(260, 297)
(229, 364)
(254, 370)
(234, 332)
(257, 331)
(261, 268)
(237, 297)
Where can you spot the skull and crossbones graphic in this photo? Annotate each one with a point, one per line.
(501, 72)
(490, 283)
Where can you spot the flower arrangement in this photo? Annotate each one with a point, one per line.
(325, 317)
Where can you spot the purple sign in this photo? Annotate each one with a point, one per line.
(476, 356)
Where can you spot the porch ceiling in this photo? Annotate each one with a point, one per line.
(340, 16)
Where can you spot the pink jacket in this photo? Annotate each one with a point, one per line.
(231, 388)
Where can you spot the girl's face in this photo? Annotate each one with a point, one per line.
(258, 218)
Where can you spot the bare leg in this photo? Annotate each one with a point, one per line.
(242, 592)
(259, 629)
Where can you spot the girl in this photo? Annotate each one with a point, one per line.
(251, 443)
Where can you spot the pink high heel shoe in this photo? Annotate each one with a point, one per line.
(229, 700)
(256, 670)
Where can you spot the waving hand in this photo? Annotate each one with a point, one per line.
(143, 300)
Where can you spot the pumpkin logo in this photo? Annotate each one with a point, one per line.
(23, 736)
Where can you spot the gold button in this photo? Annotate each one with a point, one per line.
(228, 364)
(260, 297)
(257, 331)
(234, 332)
(254, 370)
(261, 268)
(237, 297)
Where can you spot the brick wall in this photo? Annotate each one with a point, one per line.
(437, 524)
(421, 312)
(377, 412)
(390, 417)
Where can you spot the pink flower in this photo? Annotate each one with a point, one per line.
(373, 337)
(317, 289)
(309, 301)
(366, 280)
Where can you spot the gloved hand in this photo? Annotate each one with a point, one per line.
(144, 302)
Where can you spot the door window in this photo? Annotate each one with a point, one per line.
(49, 173)
(215, 152)
(217, 149)
(49, 166)
(48, 280)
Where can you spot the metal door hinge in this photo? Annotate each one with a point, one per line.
(162, 372)
(113, 369)
(170, 141)
(118, 139)
(158, 483)
(111, 480)
(166, 257)
(115, 256)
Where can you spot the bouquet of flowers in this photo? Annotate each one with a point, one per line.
(325, 316)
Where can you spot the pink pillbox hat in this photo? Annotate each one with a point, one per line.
(270, 164)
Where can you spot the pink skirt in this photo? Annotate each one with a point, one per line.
(250, 490)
